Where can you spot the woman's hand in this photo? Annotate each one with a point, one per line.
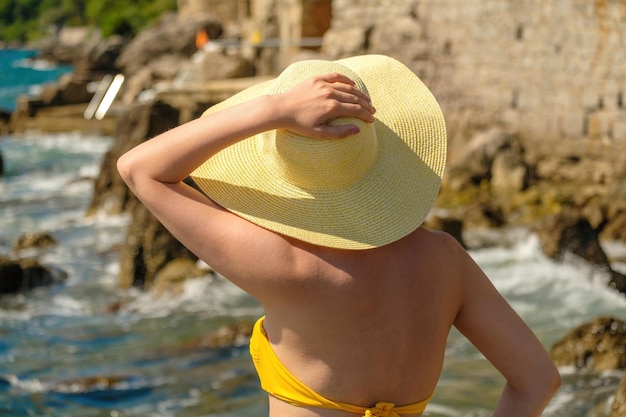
(306, 108)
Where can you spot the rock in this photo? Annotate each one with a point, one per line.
(215, 65)
(149, 247)
(66, 45)
(85, 50)
(68, 90)
(235, 334)
(166, 67)
(509, 173)
(473, 164)
(159, 54)
(598, 345)
(5, 119)
(569, 232)
(452, 226)
(34, 240)
(102, 391)
(171, 36)
(135, 84)
(100, 56)
(618, 408)
(11, 276)
(617, 281)
(22, 275)
(140, 122)
(615, 216)
(170, 278)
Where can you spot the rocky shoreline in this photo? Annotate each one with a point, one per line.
(570, 191)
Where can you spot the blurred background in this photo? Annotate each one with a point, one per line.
(103, 313)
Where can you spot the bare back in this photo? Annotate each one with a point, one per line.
(367, 326)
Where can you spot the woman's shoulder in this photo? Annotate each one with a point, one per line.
(436, 240)
(436, 252)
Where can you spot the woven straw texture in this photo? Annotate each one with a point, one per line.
(361, 192)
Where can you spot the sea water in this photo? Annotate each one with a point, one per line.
(22, 74)
(142, 354)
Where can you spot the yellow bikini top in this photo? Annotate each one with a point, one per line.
(277, 381)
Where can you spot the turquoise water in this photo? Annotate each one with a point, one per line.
(21, 74)
(149, 348)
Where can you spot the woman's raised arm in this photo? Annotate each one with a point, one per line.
(155, 169)
(305, 109)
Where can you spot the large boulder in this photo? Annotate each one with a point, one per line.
(599, 345)
(26, 274)
(23, 274)
(148, 248)
(569, 232)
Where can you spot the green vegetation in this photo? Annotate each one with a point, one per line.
(28, 20)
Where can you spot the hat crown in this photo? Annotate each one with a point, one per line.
(317, 164)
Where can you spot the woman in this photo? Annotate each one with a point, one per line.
(315, 205)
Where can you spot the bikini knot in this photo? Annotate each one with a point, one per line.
(381, 409)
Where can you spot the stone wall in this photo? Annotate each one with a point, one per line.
(544, 68)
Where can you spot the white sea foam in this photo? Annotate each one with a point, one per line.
(212, 296)
(547, 293)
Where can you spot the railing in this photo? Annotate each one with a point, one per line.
(103, 97)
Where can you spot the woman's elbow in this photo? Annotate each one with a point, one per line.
(126, 169)
(546, 381)
(553, 379)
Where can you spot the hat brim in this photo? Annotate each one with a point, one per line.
(386, 204)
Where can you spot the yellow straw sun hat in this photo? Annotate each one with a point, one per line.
(361, 192)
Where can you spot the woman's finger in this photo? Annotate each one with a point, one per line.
(335, 131)
(351, 98)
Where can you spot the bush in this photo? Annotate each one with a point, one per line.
(28, 20)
